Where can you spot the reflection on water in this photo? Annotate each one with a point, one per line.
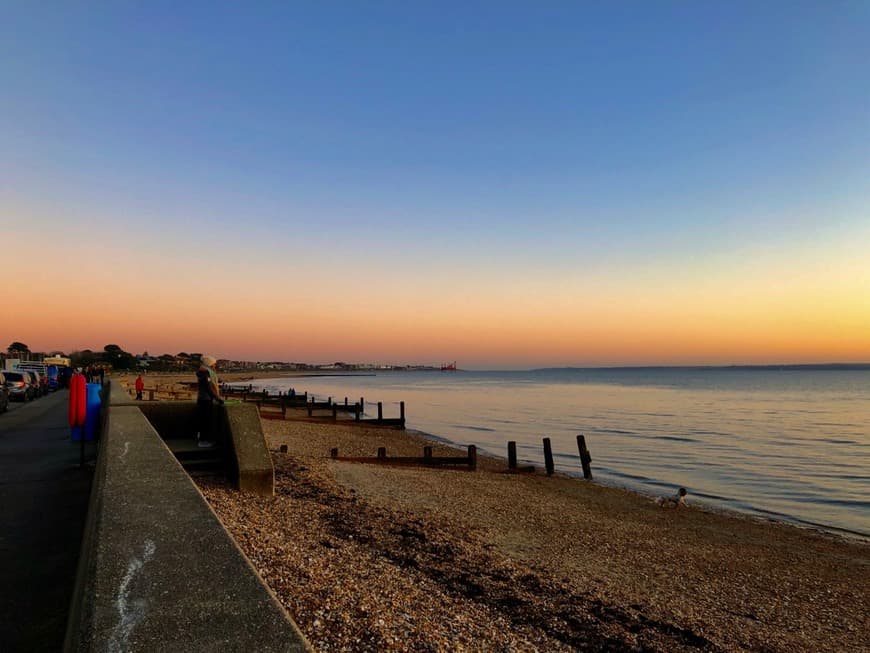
(791, 444)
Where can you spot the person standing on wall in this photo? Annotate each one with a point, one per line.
(140, 386)
(207, 395)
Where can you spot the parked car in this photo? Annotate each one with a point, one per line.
(4, 394)
(18, 385)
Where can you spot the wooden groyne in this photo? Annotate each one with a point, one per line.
(289, 405)
(468, 461)
(276, 406)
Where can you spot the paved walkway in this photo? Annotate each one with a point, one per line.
(43, 505)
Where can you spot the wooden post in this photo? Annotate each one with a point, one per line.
(380, 411)
(308, 406)
(334, 411)
(402, 411)
(382, 452)
(548, 457)
(362, 405)
(329, 401)
(512, 455)
(427, 452)
(265, 394)
(345, 401)
(150, 395)
(472, 456)
(358, 413)
(283, 448)
(585, 457)
(244, 396)
(334, 452)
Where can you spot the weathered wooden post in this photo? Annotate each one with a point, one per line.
(380, 411)
(334, 452)
(585, 457)
(334, 412)
(150, 395)
(427, 452)
(345, 401)
(512, 455)
(402, 412)
(309, 406)
(362, 404)
(472, 456)
(548, 457)
(283, 448)
(329, 401)
(382, 452)
(244, 396)
(358, 411)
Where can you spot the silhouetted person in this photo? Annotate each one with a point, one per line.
(207, 395)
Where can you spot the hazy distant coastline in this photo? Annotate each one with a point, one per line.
(761, 368)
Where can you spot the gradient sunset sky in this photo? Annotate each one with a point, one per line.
(507, 185)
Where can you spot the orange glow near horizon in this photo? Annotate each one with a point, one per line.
(791, 307)
(268, 325)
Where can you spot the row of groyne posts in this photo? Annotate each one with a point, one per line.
(470, 460)
(274, 406)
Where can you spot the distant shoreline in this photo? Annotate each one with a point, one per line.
(705, 368)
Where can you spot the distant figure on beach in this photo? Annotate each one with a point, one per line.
(677, 501)
(207, 395)
(140, 386)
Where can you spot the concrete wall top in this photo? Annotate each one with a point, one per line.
(158, 571)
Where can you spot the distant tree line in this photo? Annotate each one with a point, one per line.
(115, 357)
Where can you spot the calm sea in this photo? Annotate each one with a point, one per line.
(787, 444)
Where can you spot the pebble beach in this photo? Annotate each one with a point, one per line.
(380, 558)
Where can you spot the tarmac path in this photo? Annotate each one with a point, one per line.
(43, 505)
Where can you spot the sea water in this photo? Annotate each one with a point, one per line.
(787, 444)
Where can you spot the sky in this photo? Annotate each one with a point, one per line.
(504, 184)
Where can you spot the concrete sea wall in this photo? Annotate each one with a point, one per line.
(157, 570)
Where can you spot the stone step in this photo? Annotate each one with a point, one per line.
(188, 449)
(216, 463)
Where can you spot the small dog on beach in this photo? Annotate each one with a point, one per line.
(677, 501)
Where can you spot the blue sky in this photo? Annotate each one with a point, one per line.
(549, 133)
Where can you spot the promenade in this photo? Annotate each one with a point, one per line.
(43, 505)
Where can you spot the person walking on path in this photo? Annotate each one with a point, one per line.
(140, 386)
(207, 395)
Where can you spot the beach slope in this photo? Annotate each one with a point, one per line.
(372, 558)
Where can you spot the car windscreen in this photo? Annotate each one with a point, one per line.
(13, 376)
